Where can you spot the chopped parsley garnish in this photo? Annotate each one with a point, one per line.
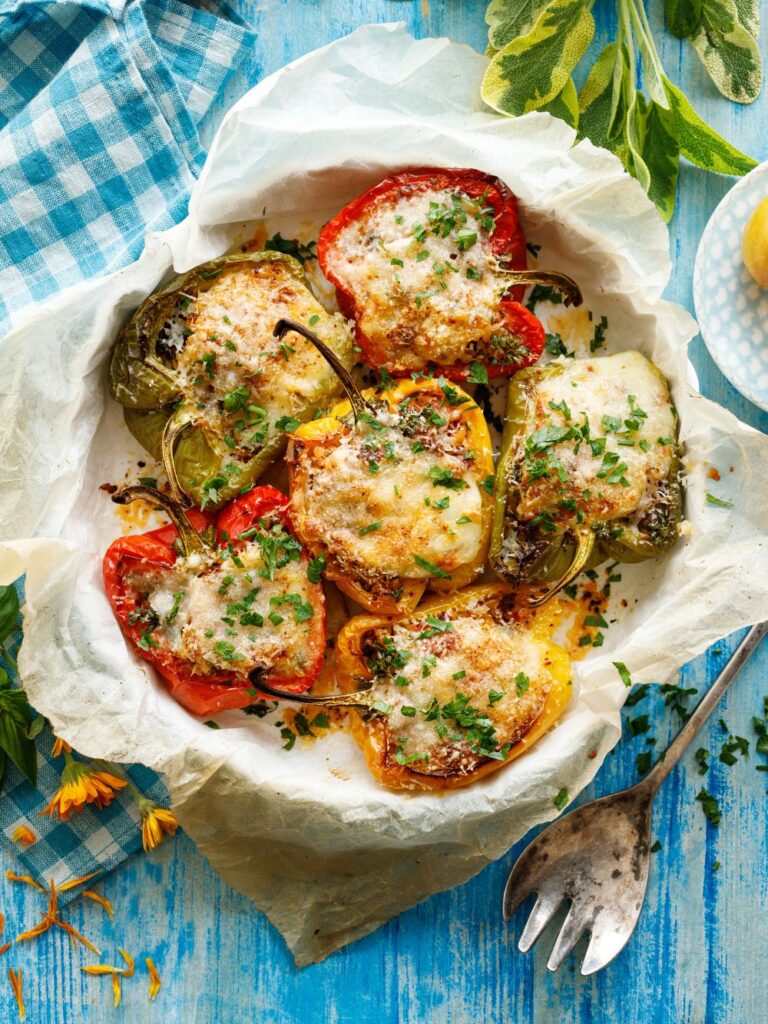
(702, 760)
(488, 485)
(226, 651)
(598, 341)
(236, 400)
(433, 570)
(316, 568)
(445, 478)
(370, 528)
(522, 683)
(302, 610)
(494, 696)
(623, 671)
(477, 372)
(174, 609)
(561, 799)
(148, 481)
(291, 247)
(288, 423)
(710, 806)
(718, 502)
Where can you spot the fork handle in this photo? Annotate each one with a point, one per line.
(704, 708)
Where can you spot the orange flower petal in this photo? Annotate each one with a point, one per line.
(59, 747)
(5, 948)
(44, 925)
(154, 978)
(13, 877)
(101, 900)
(24, 835)
(98, 969)
(15, 979)
(116, 988)
(128, 970)
(74, 933)
(74, 882)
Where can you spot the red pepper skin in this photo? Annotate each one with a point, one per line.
(507, 241)
(219, 691)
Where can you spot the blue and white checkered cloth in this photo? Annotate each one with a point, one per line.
(101, 111)
(104, 112)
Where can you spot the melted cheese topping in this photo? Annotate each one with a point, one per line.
(215, 611)
(500, 667)
(420, 297)
(376, 505)
(240, 379)
(626, 404)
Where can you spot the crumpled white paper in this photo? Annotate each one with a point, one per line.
(319, 846)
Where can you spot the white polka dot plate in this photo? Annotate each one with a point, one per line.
(732, 309)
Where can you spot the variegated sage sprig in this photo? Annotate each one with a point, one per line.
(535, 45)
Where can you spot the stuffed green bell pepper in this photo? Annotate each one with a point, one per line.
(205, 385)
(590, 469)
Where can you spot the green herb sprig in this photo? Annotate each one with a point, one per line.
(535, 47)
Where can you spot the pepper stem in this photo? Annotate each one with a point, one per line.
(585, 543)
(358, 699)
(175, 425)
(360, 406)
(191, 541)
(567, 287)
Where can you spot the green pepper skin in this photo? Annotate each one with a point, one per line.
(142, 379)
(522, 552)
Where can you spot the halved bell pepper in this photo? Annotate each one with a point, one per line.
(590, 469)
(187, 596)
(393, 490)
(441, 708)
(205, 386)
(430, 263)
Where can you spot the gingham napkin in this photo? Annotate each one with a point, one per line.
(102, 110)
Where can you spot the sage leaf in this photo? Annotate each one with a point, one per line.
(9, 611)
(36, 727)
(655, 155)
(15, 719)
(701, 144)
(506, 21)
(565, 105)
(533, 69)
(748, 13)
(602, 102)
(683, 17)
(728, 51)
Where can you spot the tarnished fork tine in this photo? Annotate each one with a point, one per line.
(544, 909)
(573, 928)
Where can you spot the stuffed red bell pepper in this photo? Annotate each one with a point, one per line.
(430, 263)
(209, 601)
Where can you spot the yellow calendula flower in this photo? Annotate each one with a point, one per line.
(156, 823)
(81, 784)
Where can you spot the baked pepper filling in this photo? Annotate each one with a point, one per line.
(425, 279)
(243, 383)
(234, 611)
(458, 688)
(602, 439)
(399, 495)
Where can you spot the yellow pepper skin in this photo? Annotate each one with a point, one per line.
(143, 378)
(338, 423)
(372, 731)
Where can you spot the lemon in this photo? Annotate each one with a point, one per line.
(754, 246)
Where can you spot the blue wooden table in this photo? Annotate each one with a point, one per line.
(700, 953)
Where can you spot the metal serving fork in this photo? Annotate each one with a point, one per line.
(597, 857)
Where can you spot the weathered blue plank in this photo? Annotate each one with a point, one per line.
(700, 954)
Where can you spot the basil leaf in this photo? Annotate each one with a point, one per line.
(683, 17)
(565, 105)
(506, 21)
(654, 151)
(15, 719)
(701, 144)
(9, 611)
(532, 69)
(728, 51)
